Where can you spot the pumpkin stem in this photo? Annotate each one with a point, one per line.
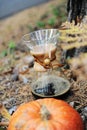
(45, 114)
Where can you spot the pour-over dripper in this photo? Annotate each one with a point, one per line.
(42, 45)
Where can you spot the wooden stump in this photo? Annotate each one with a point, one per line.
(77, 9)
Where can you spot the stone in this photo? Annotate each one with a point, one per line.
(15, 77)
(28, 60)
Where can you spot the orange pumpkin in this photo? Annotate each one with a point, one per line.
(46, 114)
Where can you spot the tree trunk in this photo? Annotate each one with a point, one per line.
(77, 9)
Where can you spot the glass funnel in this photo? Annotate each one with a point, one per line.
(42, 45)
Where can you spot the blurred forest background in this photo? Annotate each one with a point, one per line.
(47, 15)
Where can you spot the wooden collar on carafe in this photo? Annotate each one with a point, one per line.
(47, 62)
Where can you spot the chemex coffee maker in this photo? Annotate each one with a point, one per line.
(43, 47)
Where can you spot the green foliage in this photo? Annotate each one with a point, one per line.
(4, 53)
(40, 24)
(10, 49)
(51, 21)
(55, 16)
(12, 45)
(63, 19)
(59, 11)
(56, 11)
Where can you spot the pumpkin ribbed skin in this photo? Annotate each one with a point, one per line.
(46, 114)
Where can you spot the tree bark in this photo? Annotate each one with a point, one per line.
(76, 9)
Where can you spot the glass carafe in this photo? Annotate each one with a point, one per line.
(43, 47)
